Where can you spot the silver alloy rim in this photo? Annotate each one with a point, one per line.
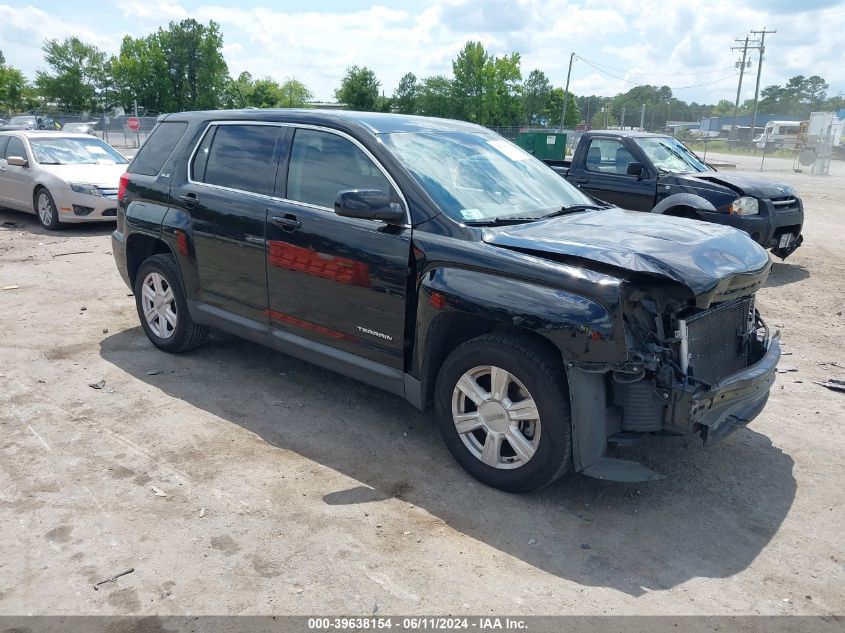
(159, 305)
(45, 208)
(496, 417)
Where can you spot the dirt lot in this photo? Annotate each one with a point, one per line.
(293, 490)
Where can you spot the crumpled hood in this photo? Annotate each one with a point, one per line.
(107, 176)
(700, 255)
(744, 184)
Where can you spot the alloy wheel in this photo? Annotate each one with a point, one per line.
(496, 417)
(159, 305)
(45, 209)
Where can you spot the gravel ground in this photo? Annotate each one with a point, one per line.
(292, 490)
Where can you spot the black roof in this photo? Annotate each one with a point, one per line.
(626, 133)
(375, 122)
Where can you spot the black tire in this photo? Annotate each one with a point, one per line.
(186, 335)
(541, 372)
(54, 224)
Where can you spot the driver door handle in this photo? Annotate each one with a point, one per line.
(287, 222)
(582, 180)
(190, 200)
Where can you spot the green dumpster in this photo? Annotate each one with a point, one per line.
(543, 145)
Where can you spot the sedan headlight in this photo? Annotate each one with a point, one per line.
(744, 206)
(90, 190)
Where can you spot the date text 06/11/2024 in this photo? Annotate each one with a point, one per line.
(420, 623)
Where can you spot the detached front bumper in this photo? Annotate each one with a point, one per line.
(732, 403)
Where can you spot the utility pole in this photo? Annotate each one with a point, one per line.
(762, 49)
(642, 118)
(622, 122)
(566, 93)
(744, 49)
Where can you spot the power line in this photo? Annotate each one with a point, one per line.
(633, 72)
(634, 83)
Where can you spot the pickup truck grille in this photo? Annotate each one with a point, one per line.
(785, 203)
(716, 340)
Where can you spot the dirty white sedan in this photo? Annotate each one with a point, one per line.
(61, 177)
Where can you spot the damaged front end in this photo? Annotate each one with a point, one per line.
(694, 367)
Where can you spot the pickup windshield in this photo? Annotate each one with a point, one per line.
(669, 154)
(480, 177)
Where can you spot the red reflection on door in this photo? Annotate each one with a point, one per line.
(305, 260)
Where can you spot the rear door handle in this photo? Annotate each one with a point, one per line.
(190, 199)
(582, 180)
(287, 222)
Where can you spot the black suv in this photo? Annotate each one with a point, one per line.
(438, 261)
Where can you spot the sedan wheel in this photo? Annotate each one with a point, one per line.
(159, 305)
(46, 210)
(496, 417)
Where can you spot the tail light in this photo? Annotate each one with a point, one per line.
(121, 188)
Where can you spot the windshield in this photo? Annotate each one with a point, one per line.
(22, 120)
(478, 177)
(74, 151)
(669, 154)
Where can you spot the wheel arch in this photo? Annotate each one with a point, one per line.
(688, 201)
(140, 246)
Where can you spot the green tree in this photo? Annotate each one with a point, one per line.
(295, 94)
(535, 95)
(359, 89)
(77, 73)
(471, 71)
(195, 66)
(140, 73)
(435, 97)
(406, 93)
(554, 105)
(14, 88)
(502, 91)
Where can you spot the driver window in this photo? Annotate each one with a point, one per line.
(608, 156)
(323, 164)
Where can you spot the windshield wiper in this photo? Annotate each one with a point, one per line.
(577, 208)
(503, 220)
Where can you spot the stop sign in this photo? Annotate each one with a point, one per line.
(133, 123)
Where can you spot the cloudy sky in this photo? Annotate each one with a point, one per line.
(684, 44)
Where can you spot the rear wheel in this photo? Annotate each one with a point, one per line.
(162, 307)
(503, 410)
(45, 208)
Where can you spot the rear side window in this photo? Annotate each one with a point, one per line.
(15, 147)
(157, 148)
(4, 140)
(242, 157)
(323, 164)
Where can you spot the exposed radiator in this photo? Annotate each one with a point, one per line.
(714, 341)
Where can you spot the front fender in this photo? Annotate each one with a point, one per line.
(691, 200)
(584, 330)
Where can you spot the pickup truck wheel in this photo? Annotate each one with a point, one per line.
(160, 300)
(503, 410)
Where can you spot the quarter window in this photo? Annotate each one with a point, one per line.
(242, 157)
(323, 164)
(4, 140)
(157, 148)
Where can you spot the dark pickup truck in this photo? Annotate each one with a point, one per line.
(658, 173)
(437, 261)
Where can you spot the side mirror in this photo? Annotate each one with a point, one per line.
(367, 204)
(636, 169)
(18, 161)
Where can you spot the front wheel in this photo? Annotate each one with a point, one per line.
(503, 411)
(162, 307)
(46, 210)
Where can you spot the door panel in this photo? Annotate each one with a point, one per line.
(339, 281)
(605, 177)
(17, 181)
(233, 176)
